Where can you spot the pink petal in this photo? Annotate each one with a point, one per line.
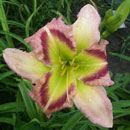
(35, 43)
(24, 64)
(65, 29)
(94, 104)
(39, 41)
(102, 77)
(85, 28)
(41, 93)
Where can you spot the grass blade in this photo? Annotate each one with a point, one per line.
(120, 104)
(5, 24)
(20, 25)
(72, 121)
(11, 107)
(121, 56)
(6, 120)
(6, 74)
(85, 126)
(27, 100)
(30, 18)
(18, 38)
(31, 125)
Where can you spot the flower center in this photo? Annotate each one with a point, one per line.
(68, 66)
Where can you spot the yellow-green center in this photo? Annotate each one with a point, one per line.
(68, 66)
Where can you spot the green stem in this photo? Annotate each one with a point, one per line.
(34, 5)
(105, 34)
(5, 25)
(102, 26)
(30, 18)
(68, 11)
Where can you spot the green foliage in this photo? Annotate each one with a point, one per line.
(121, 56)
(113, 22)
(5, 24)
(18, 111)
(29, 104)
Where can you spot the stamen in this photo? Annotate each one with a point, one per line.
(75, 68)
(60, 61)
(64, 70)
(67, 88)
(72, 62)
(63, 66)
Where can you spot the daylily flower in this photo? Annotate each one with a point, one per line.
(67, 65)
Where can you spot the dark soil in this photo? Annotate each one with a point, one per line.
(116, 64)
